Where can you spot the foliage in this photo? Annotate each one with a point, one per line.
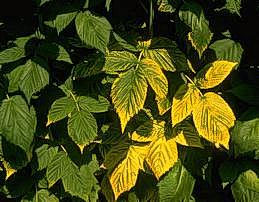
(145, 100)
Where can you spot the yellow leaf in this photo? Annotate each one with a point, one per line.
(161, 57)
(124, 176)
(212, 118)
(144, 45)
(184, 101)
(128, 94)
(9, 170)
(155, 77)
(213, 74)
(81, 147)
(162, 153)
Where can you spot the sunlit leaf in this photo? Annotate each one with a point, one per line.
(213, 117)
(184, 101)
(124, 176)
(155, 77)
(214, 73)
(128, 94)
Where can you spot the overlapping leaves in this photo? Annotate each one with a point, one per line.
(211, 114)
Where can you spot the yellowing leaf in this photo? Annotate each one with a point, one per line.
(128, 94)
(162, 156)
(144, 45)
(162, 57)
(212, 118)
(155, 77)
(9, 170)
(119, 61)
(124, 176)
(162, 153)
(213, 74)
(184, 101)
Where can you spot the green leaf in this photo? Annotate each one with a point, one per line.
(247, 93)
(192, 15)
(63, 20)
(233, 6)
(128, 94)
(94, 105)
(45, 154)
(177, 185)
(82, 127)
(245, 137)
(200, 38)
(53, 51)
(31, 77)
(60, 109)
(11, 54)
(117, 61)
(93, 30)
(107, 4)
(16, 122)
(187, 135)
(246, 187)
(59, 167)
(166, 53)
(124, 44)
(92, 66)
(81, 183)
(42, 195)
(227, 49)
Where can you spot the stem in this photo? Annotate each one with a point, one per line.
(191, 81)
(139, 58)
(140, 55)
(151, 18)
(74, 98)
(63, 148)
(143, 6)
(7, 96)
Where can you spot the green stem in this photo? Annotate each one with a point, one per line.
(7, 96)
(191, 81)
(143, 6)
(151, 18)
(75, 100)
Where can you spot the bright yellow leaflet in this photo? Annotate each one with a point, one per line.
(212, 118)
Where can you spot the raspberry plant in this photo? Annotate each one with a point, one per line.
(149, 100)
